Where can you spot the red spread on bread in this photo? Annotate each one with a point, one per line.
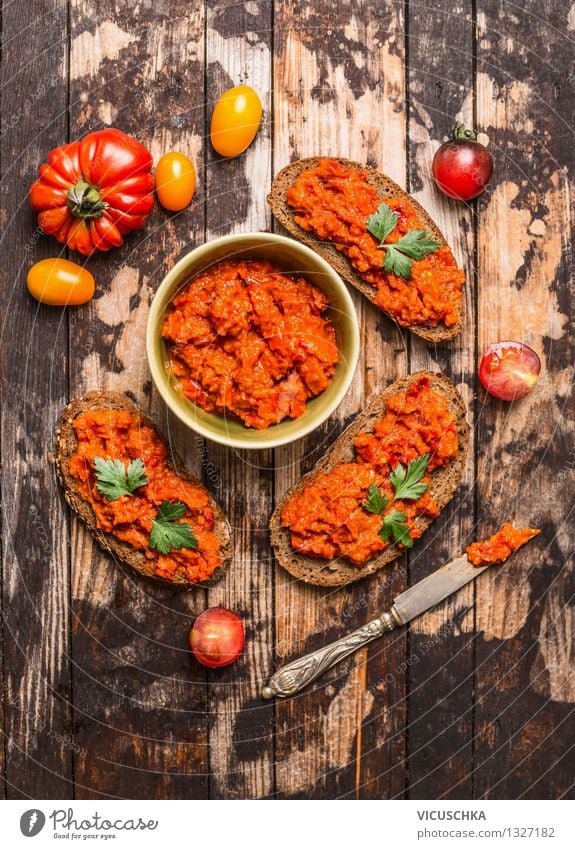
(328, 518)
(334, 202)
(119, 435)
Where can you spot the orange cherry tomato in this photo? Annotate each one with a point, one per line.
(60, 283)
(175, 181)
(235, 120)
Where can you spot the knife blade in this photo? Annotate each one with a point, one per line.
(435, 588)
(419, 598)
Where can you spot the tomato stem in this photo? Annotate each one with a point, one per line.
(461, 133)
(84, 201)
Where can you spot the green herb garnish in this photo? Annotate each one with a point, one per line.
(114, 480)
(382, 223)
(167, 534)
(414, 245)
(406, 482)
(376, 500)
(399, 255)
(395, 523)
(407, 486)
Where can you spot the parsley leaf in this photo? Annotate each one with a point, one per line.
(414, 245)
(113, 480)
(406, 482)
(169, 511)
(407, 486)
(417, 244)
(396, 263)
(136, 475)
(399, 256)
(167, 534)
(395, 524)
(376, 500)
(382, 222)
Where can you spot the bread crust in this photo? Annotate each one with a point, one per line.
(443, 483)
(65, 448)
(277, 199)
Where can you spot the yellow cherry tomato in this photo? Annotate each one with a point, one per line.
(235, 120)
(175, 181)
(60, 283)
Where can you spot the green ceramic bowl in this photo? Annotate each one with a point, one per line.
(292, 257)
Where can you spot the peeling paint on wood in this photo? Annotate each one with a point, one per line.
(143, 62)
(440, 651)
(88, 49)
(34, 374)
(241, 724)
(523, 464)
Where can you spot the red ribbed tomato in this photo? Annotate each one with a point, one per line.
(92, 192)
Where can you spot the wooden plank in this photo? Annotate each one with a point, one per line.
(336, 69)
(525, 684)
(381, 765)
(241, 725)
(37, 717)
(440, 644)
(140, 700)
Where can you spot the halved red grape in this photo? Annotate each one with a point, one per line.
(509, 370)
(217, 637)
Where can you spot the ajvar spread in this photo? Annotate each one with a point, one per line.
(328, 518)
(117, 434)
(249, 341)
(500, 546)
(334, 202)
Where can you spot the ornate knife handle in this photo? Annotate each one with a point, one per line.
(293, 677)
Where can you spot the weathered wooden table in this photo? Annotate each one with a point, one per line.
(101, 697)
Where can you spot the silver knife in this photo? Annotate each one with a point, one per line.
(424, 595)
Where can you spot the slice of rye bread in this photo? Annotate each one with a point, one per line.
(443, 483)
(285, 214)
(66, 444)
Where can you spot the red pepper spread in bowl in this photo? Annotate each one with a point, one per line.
(358, 509)
(249, 341)
(335, 202)
(500, 546)
(117, 435)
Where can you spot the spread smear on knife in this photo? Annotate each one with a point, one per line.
(500, 546)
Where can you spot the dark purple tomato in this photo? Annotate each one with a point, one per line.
(462, 167)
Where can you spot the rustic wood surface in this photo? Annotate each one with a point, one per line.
(101, 698)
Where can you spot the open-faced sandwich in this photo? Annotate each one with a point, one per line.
(377, 237)
(135, 495)
(379, 486)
